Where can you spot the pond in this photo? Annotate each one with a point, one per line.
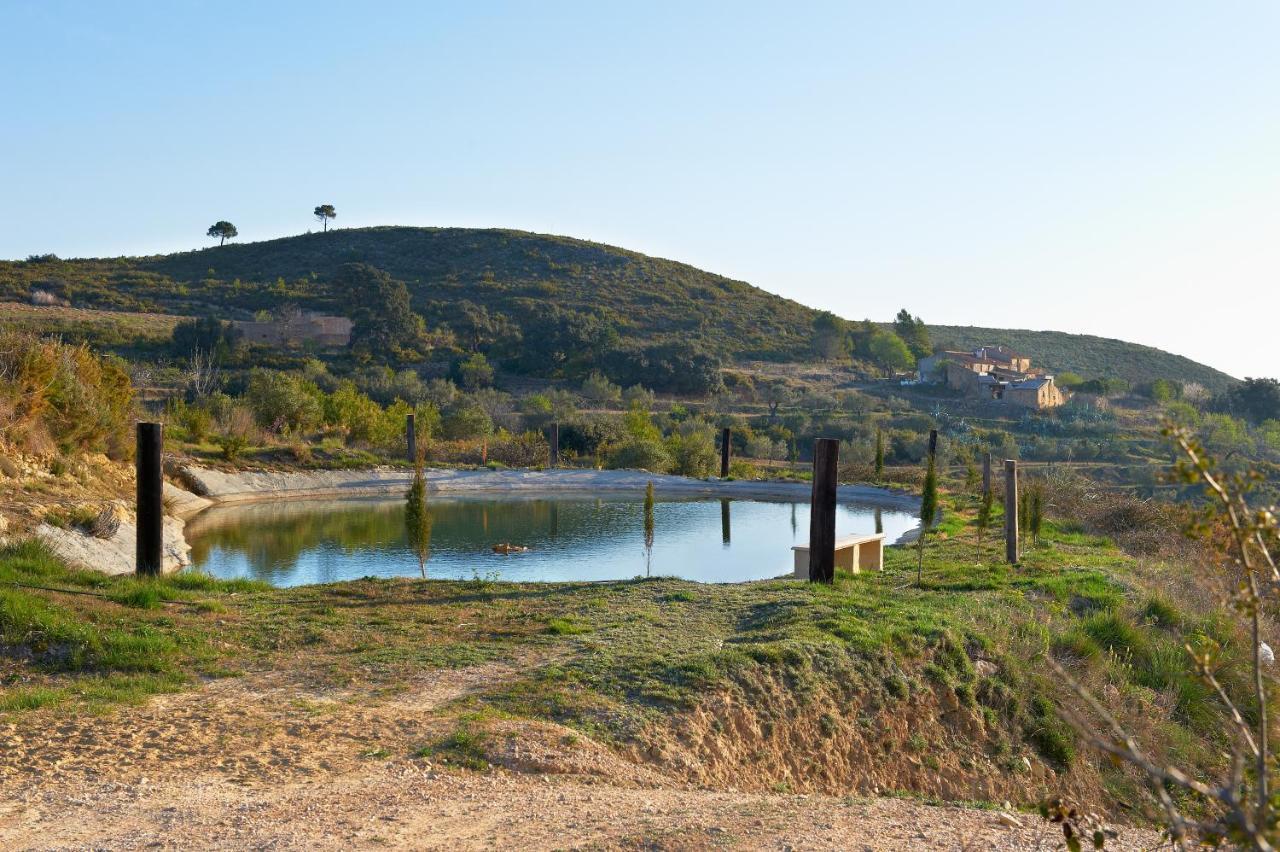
(569, 538)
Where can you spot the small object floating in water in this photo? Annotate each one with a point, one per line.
(506, 548)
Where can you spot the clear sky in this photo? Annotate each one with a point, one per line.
(1102, 167)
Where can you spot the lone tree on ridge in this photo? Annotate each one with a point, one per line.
(223, 230)
(324, 213)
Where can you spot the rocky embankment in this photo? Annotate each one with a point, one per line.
(109, 544)
(240, 486)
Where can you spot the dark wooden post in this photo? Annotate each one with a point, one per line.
(822, 511)
(411, 436)
(726, 436)
(150, 541)
(1011, 511)
(724, 521)
(933, 444)
(986, 474)
(553, 445)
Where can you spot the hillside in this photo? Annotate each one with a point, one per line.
(648, 299)
(1085, 354)
(520, 275)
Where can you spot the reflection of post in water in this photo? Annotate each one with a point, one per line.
(417, 517)
(879, 521)
(724, 520)
(648, 528)
(555, 519)
(793, 520)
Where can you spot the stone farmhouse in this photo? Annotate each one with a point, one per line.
(297, 327)
(993, 373)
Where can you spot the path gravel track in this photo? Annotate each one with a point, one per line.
(265, 762)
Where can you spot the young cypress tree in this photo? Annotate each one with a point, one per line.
(1035, 512)
(928, 509)
(417, 517)
(879, 455)
(648, 528)
(984, 518)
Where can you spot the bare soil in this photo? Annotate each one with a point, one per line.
(268, 761)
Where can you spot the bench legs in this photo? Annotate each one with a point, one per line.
(871, 555)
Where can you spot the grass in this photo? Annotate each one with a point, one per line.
(613, 659)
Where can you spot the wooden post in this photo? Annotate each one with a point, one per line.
(933, 444)
(726, 436)
(1011, 511)
(411, 437)
(724, 521)
(822, 511)
(986, 474)
(150, 541)
(553, 445)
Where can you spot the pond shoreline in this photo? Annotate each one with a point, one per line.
(221, 487)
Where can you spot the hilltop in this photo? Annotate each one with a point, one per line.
(518, 275)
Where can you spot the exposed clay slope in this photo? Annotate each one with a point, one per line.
(267, 762)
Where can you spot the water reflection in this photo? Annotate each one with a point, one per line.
(316, 541)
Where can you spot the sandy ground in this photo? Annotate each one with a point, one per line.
(265, 762)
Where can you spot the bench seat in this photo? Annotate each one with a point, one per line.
(853, 553)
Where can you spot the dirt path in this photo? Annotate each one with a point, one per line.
(264, 762)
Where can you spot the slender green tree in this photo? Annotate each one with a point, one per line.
(648, 528)
(928, 509)
(984, 518)
(324, 213)
(417, 517)
(1035, 512)
(879, 455)
(222, 230)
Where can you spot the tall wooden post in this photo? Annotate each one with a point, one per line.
(933, 444)
(725, 437)
(411, 437)
(150, 541)
(1011, 511)
(822, 511)
(986, 474)
(553, 445)
(724, 521)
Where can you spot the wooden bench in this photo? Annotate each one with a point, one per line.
(853, 553)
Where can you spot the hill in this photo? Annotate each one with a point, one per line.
(648, 300)
(517, 276)
(1087, 355)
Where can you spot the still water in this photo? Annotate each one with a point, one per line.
(568, 538)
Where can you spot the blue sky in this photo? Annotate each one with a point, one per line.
(1099, 167)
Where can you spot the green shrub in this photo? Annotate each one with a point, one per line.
(58, 396)
(283, 401)
(1161, 612)
(233, 446)
(692, 452)
(1074, 646)
(465, 419)
(639, 454)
